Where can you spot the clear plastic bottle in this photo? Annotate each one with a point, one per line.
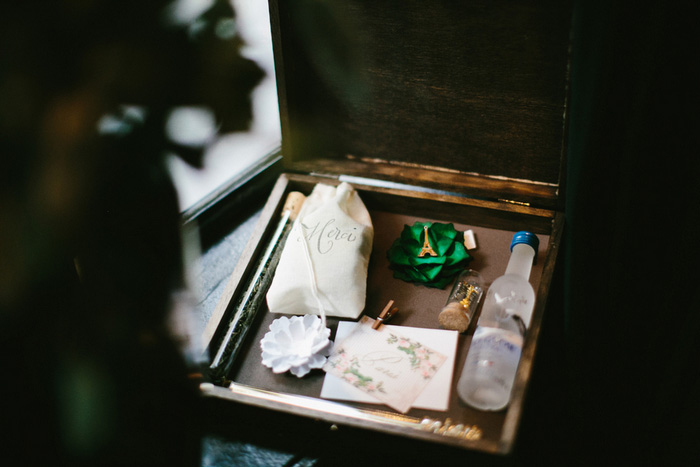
(487, 378)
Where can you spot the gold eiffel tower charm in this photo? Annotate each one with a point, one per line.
(427, 249)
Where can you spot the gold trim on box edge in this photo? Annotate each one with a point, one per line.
(426, 424)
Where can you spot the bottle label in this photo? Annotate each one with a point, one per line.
(496, 339)
(494, 356)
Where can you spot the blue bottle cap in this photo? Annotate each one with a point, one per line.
(527, 238)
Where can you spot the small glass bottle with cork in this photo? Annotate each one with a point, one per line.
(463, 301)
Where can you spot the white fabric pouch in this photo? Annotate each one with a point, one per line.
(323, 267)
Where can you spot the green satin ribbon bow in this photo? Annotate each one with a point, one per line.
(432, 271)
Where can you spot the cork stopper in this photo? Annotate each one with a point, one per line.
(293, 204)
(454, 317)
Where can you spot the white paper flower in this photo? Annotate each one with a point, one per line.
(297, 344)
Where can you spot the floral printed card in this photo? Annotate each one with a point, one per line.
(393, 365)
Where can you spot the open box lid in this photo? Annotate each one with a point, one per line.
(468, 97)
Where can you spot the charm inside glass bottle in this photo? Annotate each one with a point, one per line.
(463, 301)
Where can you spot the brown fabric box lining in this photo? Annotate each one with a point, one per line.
(419, 307)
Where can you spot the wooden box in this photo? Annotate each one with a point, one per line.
(440, 111)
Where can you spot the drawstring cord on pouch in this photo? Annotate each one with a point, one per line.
(312, 276)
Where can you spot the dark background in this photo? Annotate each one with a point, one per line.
(630, 316)
(616, 375)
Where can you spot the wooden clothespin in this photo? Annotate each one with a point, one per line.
(385, 315)
(427, 249)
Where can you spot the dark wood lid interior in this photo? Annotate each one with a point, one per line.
(468, 87)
